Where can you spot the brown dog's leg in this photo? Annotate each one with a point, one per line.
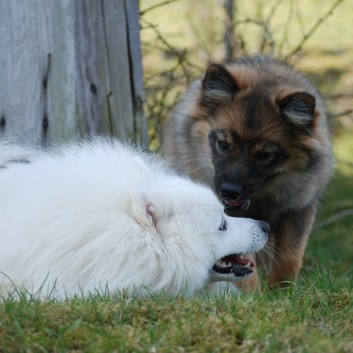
(291, 235)
(286, 266)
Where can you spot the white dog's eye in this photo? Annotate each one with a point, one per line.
(223, 226)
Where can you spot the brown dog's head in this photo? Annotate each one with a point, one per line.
(264, 120)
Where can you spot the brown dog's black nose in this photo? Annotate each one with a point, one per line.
(230, 190)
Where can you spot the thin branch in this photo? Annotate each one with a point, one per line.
(267, 34)
(314, 28)
(338, 115)
(338, 96)
(156, 6)
(272, 11)
(334, 218)
(181, 55)
(288, 22)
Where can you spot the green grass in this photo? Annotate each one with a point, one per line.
(313, 315)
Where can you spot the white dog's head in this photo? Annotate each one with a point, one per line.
(199, 240)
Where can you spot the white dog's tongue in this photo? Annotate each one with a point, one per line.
(232, 259)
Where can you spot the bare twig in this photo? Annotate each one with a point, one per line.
(182, 58)
(313, 29)
(338, 96)
(260, 23)
(284, 39)
(338, 115)
(272, 11)
(156, 6)
(334, 218)
(267, 37)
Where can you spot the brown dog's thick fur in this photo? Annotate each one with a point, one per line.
(256, 131)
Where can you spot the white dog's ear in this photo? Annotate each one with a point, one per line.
(144, 210)
(142, 164)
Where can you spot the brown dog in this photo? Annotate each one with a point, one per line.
(256, 131)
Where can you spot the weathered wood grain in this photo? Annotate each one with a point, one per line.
(70, 69)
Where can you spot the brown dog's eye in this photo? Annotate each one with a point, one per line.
(264, 157)
(222, 145)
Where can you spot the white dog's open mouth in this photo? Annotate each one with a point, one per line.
(234, 264)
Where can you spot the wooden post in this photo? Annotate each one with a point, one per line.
(229, 34)
(70, 69)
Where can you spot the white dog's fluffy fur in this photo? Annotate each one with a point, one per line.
(102, 215)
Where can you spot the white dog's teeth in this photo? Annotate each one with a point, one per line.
(247, 265)
(220, 263)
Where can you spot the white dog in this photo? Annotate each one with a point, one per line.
(101, 215)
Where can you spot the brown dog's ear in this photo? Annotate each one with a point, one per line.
(299, 108)
(218, 86)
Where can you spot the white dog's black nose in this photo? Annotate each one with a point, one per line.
(264, 226)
